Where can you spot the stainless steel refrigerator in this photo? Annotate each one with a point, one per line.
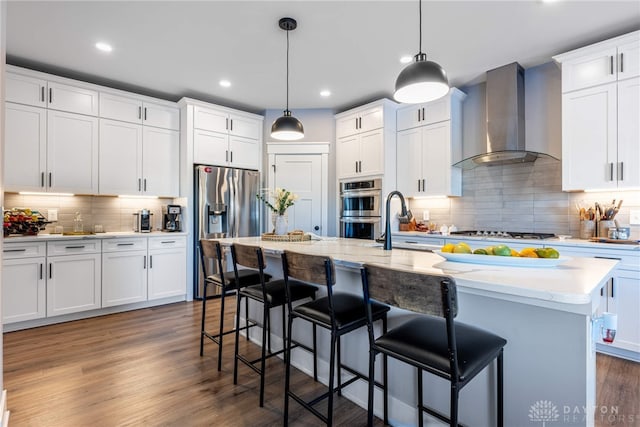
(225, 206)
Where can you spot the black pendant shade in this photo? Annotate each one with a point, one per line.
(287, 127)
(422, 80)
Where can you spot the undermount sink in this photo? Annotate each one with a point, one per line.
(78, 233)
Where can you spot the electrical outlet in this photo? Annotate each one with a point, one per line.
(634, 217)
(425, 215)
(52, 214)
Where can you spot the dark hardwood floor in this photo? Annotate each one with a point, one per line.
(143, 368)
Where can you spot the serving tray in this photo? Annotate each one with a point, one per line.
(511, 261)
(620, 242)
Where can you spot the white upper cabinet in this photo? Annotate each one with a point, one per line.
(424, 114)
(601, 63)
(429, 144)
(365, 139)
(225, 137)
(29, 90)
(600, 110)
(160, 162)
(135, 110)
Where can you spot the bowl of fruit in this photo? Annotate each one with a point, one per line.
(23, 222)
(502, 255)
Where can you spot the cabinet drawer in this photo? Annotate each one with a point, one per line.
(120, 108)
(71, 247)
(25, 90)
(211, 120)
(628, 261)
(23, 250)
(167, 242)
(119, 245)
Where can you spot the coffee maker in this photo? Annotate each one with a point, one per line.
(172, 218)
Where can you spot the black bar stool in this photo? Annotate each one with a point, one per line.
(210, 256)
(270, 294)
(340, 313)
(433, 342)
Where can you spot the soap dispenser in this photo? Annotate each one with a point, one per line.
(77, 223)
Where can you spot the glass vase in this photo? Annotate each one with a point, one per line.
(280, 224)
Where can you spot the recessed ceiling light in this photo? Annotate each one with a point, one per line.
(406, 59)
(225, 83)
(105, 47)
(325, 93)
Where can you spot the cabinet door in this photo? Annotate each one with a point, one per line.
(120, 158)
(210, 119)
(73, 284)
(589, 70)
(589, 135)
(210, 148)
(162, 116)
(409, 117)
(72, 153)
(25, 90)
(371, 119)
(436, 159)
(23, 289)
(348, 154)
(623, 300)
(629, 133)
(245, 127)
(161, 162)
(124, 277)
(244, 153)
(346, 126)
(409, 162)
(372, 152)
(25, 150)
(122, 108)
(167, 273)
(629, 60)
(73, 99)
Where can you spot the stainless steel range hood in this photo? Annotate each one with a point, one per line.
(505, 120)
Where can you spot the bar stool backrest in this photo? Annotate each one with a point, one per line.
(211, 251)
(316, 269)
(248, 256)
(418, 292)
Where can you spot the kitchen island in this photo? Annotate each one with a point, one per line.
(544, 313)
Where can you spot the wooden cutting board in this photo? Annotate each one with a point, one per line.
(621, 242)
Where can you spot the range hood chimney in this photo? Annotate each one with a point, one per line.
(505, 120)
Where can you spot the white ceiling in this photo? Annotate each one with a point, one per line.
(173, 49)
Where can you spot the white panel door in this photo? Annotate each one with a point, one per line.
(23, 289)
(167, 273)
(124, 277)
(162, 116)
(72, 153)
(348, 154)
(160, 161)
(629, 133)
(629, 60)
(25, 90)
(73, 283)
(244, 126)
(589, 138)
(244, 153)
(73, 99)
(120, 158)
(120, 108)
(436, 158)
(372, 152)
(589, 70)
(210, 119)
(624, 300)
(25, 150)
(301, 174)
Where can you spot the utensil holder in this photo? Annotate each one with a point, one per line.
(587, 229)
(603, 228)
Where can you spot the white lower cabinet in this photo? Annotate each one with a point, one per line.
(24, 293)
(73, 276)
(124, 271)
(167, 267)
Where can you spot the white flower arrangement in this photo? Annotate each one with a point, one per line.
(283, 199)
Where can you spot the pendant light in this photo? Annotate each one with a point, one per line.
(287, 127)
(421, 81)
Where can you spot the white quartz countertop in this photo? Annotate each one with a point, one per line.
(107, 235)
(573, 282)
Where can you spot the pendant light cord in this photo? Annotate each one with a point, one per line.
(287, 70)
(420, 14)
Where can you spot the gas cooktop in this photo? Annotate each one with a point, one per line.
(504, 234)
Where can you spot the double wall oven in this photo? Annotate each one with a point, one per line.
(361, 209)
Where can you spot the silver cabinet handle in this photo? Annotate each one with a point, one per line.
(40, 271)
(50, 271)
(144, 184)
(611, 62)
(50, 95)
(74, 247)
(145, 113)
(144, 262)
(418, 114)
(167, 242)
(423, 114)
(621, 172)
(611, 171)
(356, 123)
(14, 250)
(42, 93)
(622, 62)
(41, 179)
(231, 125)
(356, 166)
(231, 152)
(418, 185)
(150, 261)
(125, 244)
(139, 113)
(139, 184)
(50, 180)
(226, 123)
